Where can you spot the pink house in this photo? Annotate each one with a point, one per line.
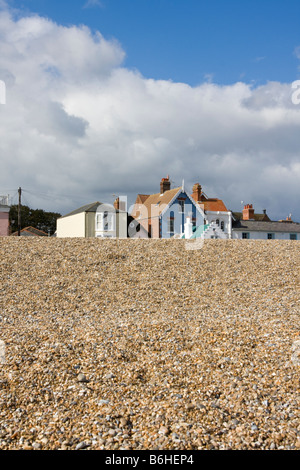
(4, 220)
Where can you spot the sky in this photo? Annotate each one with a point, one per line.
(106, 97)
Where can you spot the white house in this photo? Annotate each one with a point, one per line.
(248, 225)
(93, 220)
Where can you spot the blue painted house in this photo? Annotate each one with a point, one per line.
(164, 214)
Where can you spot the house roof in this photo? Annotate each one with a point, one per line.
(213, 204)
(265, 226)
(158, 200)
(141, 198)
(30, 232)
(92, 207)
(257, 217)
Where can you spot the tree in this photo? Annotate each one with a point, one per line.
(37, 218)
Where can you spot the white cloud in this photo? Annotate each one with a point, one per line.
(93, 3)
(77, 122)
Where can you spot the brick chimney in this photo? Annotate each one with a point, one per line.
(120, 204)
(165, 185)
(248, 212)
(197, 190)
(117, 203)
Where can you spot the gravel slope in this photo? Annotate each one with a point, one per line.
(143, 344)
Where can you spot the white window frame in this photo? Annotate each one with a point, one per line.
(100, 223)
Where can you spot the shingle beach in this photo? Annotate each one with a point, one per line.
(146, 344)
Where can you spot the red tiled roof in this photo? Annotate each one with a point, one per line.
(153, 204)
(31, 231)
(211, 204)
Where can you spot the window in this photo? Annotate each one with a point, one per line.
(181, 205)
(218, 222)
(105, 221)
(245, 235)
(293, 236)
(222, 225)
(171, 223)
(271, 236)
(150, 229)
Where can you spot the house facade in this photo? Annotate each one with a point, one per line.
(173, 213)
(4, 218)
(163, 214)
(93, 220)
(218, 219)
(249, 225)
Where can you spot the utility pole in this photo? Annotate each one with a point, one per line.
(19, 212)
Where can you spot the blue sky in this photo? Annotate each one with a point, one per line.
(108, 96)
(192, 40)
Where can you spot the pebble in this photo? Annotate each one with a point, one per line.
(143, 344)
(81, 445)
(82, 378)
(164, 430)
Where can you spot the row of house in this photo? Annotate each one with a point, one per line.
(169, 213)
(174, 213)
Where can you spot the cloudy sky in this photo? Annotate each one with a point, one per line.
(106, 97)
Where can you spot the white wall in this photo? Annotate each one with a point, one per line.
(122, 224)
(214, 231)
(226, 217)
(71, 226)
(263, 235)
